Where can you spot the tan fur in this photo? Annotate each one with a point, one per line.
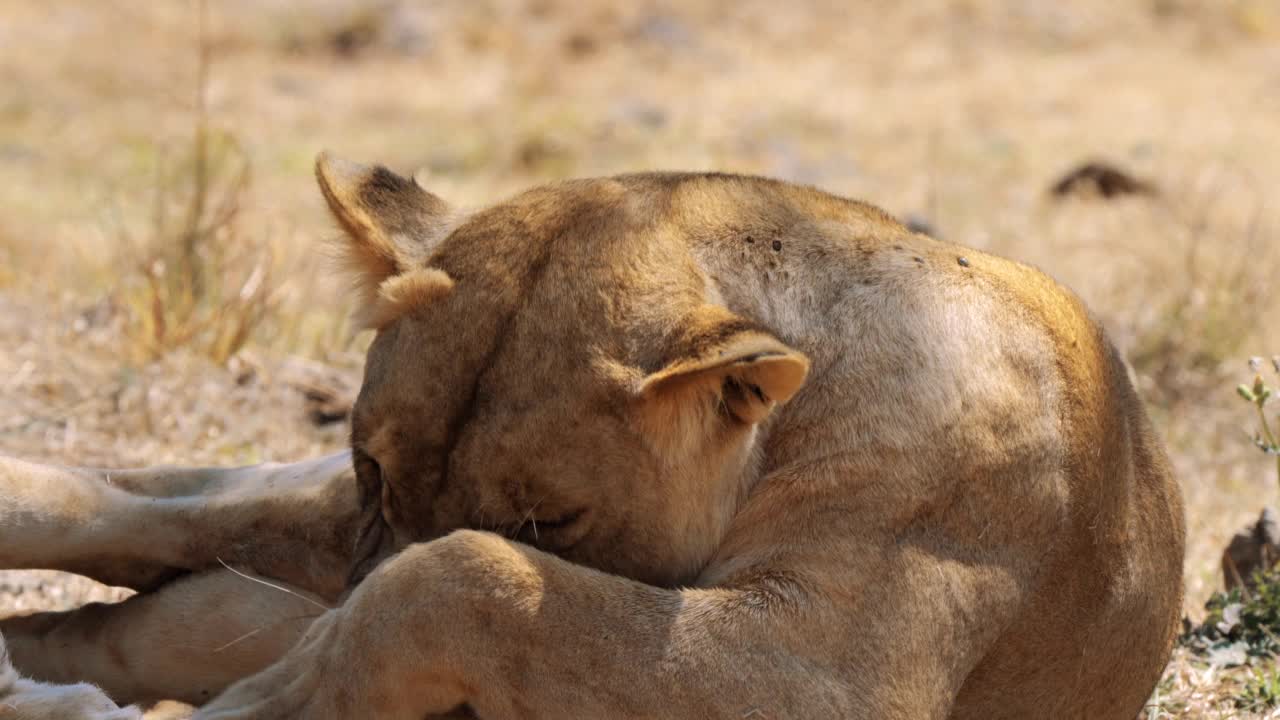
(185, 638)
(397, 222)
(964, 512)
(612, 497)
(23, 699)
(401, 294)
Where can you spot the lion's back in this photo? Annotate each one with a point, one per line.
(1121, 539)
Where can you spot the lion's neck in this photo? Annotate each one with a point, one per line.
(797, 313)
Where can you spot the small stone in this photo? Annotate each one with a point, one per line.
(964, 261)
(1267, 529)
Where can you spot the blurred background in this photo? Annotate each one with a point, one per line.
(164, 292)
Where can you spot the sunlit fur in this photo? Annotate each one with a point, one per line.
(663, 445)
(962, 513)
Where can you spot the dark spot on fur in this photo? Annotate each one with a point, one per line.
(964, 261)
(919, 260)
(344, 701)
(897, 247)
(777, 245)
(750, 239)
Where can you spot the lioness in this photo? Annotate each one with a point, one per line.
(712, 446)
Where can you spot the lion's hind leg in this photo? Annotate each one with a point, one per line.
(186, 641)
(23, 699)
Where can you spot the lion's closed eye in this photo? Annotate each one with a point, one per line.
(553, 532)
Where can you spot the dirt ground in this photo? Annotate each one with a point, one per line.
(957, 113)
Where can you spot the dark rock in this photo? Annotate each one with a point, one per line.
(1101, 179)
(1256, 547)
(328, 394)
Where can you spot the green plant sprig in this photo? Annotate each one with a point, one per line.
(1257, 395)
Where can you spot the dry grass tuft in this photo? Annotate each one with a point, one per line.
(201, 283)
(1221, 284)
(198, 281)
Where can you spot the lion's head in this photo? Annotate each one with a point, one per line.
(556, 368)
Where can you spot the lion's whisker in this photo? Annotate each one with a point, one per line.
(528, 516)
(285, 590)
(257, 630)
(245, 636)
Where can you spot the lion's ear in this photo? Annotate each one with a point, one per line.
(391, 225)
(720, 357)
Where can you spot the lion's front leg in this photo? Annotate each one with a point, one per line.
(472, 619)
(869, 629)
(139, 528)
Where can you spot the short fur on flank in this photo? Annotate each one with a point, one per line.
(657, 445)
(24, 699)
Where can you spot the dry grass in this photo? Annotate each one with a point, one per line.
(963, 111)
